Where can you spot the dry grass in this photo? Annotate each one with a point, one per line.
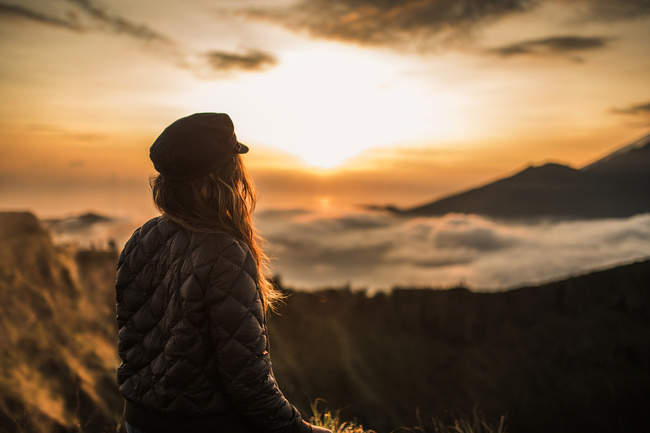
(325, 418)
(476, 423)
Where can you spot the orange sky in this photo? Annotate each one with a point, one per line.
(342, 102)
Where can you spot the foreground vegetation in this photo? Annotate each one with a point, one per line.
(563, 357)
(476, 423)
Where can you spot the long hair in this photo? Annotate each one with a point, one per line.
(222, 200)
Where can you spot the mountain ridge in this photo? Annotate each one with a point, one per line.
(614, 186)
(638, 144)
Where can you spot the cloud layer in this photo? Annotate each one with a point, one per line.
(89, 16)
(376, 251)
(642, 108)
(380, 22)
(558, 45)
(379, 251)
(80, 15)
(638, 111)
(424, 25)
(252, 60)
(417, 25)
(14, 12)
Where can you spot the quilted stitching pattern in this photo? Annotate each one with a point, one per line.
(192, 335)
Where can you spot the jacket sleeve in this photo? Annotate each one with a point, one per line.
(238, 328)
(123, 277)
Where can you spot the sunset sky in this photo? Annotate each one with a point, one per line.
(341, 101)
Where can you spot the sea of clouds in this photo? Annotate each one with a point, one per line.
(378, 251)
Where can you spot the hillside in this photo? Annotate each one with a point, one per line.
(614, 186)
(567, 356)
(56, 334)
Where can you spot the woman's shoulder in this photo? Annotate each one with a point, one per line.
(216, 249)
(214, 242)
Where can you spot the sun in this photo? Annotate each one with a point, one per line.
(330, 102)
(342, 101)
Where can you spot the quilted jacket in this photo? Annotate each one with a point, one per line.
(192, 336)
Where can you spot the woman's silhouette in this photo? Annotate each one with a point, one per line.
(192, 295)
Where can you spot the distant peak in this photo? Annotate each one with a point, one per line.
(93, 217)
(638, 144)
(548, 167)
(86, 218)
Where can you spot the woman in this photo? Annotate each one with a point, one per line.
(192, 295)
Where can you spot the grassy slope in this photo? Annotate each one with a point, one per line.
(57, 334)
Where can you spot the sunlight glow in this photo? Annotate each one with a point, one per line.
(330, 102)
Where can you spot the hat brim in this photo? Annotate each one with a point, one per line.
(241, 148)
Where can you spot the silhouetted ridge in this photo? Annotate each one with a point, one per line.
(564, 357)
(632, 157)
(614, 186)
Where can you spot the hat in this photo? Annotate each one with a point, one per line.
(194, 146)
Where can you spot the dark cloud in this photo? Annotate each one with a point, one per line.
(119, 24)
(10, 11)
(477, 238)
(300, 253)
(643, 108)
(83, 15)
(428, 24)
(89, 15)
(363, 221)
(613, 10)
(387, 22)
(253, 60)
(557, 45)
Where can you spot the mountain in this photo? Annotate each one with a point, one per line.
(633, 156)
(615, 186)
